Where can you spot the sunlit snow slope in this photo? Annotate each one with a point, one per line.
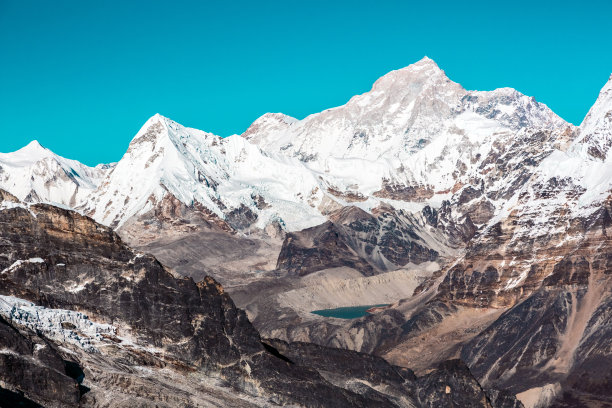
(415, 139)
(36, 174)
(197, 167)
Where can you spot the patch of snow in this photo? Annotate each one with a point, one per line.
(60, 325)
(20, 262)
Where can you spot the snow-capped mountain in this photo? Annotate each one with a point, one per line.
(415, 139)
(533, 280)
(36, 174)
(223, 175)
(577, 179)
(414, 128)
(596, 129)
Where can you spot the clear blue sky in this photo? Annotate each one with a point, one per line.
(83, 76)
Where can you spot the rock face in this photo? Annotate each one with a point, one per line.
(370, 243)
(33, 366)
(450, 385)
(86, 321)
(555, 333)
(318, 248)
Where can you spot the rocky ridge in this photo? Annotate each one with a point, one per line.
(87, 321)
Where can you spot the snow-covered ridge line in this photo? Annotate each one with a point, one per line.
(596, 129)
(197, 167)
(415, 139)
(286, 169)
(36, 174)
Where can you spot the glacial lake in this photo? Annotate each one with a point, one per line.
(352, 312)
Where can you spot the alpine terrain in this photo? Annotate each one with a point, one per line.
(475, 227)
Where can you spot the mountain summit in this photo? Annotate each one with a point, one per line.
(36, 174)
(225, 176)
(415, 136)
(596, 128)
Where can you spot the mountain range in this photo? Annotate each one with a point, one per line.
(478, 219)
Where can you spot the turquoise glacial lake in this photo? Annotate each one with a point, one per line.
(352, 312)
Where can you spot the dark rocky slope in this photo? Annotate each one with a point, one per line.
(111, 325)
(527, 312)
(373, 243)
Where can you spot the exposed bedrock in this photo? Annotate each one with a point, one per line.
(385, 240)
(84, 307)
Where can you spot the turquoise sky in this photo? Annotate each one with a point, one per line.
(83, 76)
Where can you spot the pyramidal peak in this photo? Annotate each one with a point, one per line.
(30, 153)
(159, 131)
(163, 120)
(425, 64)
(268, 122)
(395, 90)
(153, 120)
(425, 61)
(34, 145)
(419, 72)
(156, 128)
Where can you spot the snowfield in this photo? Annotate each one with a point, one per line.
(415, 139)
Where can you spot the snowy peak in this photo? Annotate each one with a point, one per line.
(154, 129)
(426, 61)
(414, 127)
(163, 147)
(27, 155)
(411, 76)
(601, 107)
(34, 151)
(596, 128)
(159, 129)
(269, 122)
(394, 116)
(34, 146)
(36, 174)
(229, 177)
(399, 91)
(512, 109)
(160, 158)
